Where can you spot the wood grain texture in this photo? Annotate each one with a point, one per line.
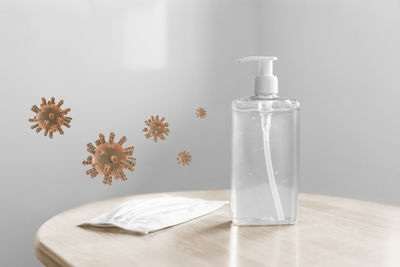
(331, 231)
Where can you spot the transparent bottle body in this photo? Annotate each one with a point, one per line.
(265, 161)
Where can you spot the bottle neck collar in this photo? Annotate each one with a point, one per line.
(268, 96)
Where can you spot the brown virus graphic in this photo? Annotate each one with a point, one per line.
(184, 158)
(110, 159)
(156, 128)
(50, 117)
(201, 113)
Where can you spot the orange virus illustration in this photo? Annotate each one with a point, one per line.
(184, 158)
(156, 128)
(110, 159)
(50, 117)
(201, 113)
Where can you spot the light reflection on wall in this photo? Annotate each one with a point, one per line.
(145, 35)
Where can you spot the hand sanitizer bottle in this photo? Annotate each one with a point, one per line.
(265, 153)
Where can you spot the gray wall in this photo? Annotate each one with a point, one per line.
(115, 63)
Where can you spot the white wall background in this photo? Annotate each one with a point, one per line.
(117, 62)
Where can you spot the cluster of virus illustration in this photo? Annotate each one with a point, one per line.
(50, 117)
(156, 128)
(201, 113)
(109, 159)
(184, 158)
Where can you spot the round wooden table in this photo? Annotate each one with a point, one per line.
(330, 231)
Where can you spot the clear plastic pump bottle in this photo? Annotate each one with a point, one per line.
(265, 153)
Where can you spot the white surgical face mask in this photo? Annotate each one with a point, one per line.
(149, 215)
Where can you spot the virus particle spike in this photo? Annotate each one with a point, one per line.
(184, 158)
(90, 148)
(60, 130)
(107, 179)
(102, 139)
(50, 117)
(122, 176)
(122, 140)
(67, 119)
(35, 109)
(94, 174)
(110, 159)
(111, 138)
(129, 166)
(87, 161)
(156, 128)
(129, 151)
(90, 171)
(132, 160)
(201, 113)
(66, 124)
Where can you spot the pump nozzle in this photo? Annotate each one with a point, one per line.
(265, 82)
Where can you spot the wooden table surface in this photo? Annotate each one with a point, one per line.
(331, 231)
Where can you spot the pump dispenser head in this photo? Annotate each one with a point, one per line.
(265, 83)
